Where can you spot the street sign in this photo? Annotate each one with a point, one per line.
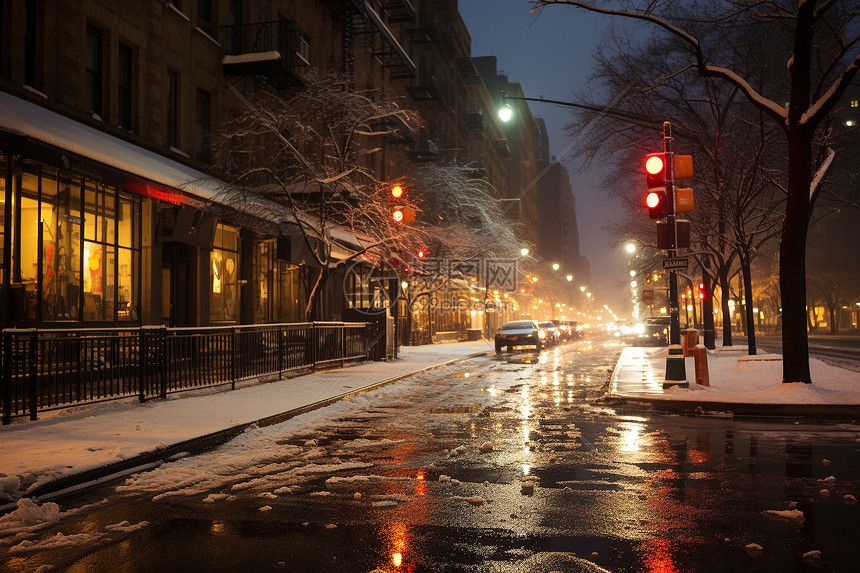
(679, 263)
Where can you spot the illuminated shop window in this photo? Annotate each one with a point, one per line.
(279, 293)
(224, 268)
(72, 263)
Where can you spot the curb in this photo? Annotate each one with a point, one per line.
(148, 460)
(743, 409)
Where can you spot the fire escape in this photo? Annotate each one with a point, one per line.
(275, 52)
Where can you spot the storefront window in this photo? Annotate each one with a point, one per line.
(279, 293)
(27, 268)
(224, 262)
(3, 229)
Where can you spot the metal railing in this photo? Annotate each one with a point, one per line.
(58, 368)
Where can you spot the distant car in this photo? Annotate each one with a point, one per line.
(520, 333)
(567, 330)
(553, 336)
(653, 331)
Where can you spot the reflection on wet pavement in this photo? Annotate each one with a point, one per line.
(495, 465)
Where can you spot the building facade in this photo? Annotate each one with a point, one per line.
(113, 209)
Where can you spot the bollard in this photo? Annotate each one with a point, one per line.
(701, 361)
(689, 339)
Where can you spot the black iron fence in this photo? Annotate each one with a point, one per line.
(55, 368)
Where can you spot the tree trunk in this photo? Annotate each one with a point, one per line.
(708, 313)
(748, 303)
(792, 259)
(724, 305)
(314, 295)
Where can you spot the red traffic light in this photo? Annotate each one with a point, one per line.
(397, 192)
(655, 200)
(655, 167)
(701, 291)
(654, 164)
(397, 215)
(422, 253)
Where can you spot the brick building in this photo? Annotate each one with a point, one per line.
(112, 211)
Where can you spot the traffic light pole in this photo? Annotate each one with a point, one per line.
(676, 373)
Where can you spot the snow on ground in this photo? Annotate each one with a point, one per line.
(70, 441)
(734, 378)
(253, 463)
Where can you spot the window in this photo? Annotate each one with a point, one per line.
(172, 106)
(205, 16)
(279, 294)
(94, 70)
(125, 87)
(202, 126)
(854, 103)
(234, 21)
(30, 36)
(224, 263)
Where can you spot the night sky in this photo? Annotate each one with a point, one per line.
(551, 57)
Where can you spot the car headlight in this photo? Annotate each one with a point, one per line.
(541, 334)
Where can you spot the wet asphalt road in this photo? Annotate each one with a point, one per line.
(497, 464)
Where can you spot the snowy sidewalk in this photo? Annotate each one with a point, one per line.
(739, 383)
(83, 443)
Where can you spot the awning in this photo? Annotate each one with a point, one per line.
(30, 120)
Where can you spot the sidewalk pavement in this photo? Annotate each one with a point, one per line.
(99, 442)
(738, 384)
(79, 445)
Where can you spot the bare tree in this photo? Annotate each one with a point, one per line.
(735, 200)
(821, 61)
(312, 152)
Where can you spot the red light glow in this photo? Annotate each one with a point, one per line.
(654, 164)
(397, 191)
(652, 200)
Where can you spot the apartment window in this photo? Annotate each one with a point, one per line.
(205, 16)
(202, 125)
(234, 21)
(854, 103)
(172, 105)
(125, 82)
(30, 34)
(95, 52)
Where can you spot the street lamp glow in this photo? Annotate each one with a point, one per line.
(582, 289)
(556, 266)
(569, 278)
(506, 112)
(524, 251)
(630, 247)
(632, 273)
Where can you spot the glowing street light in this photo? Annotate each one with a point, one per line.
(630, 248)
(569, 278)
(556, 266)
(524, 252)
(506, 112)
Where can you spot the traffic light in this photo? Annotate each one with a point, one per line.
(702, 293)
(655, 167)
(655, 200)
(421, 253)
(399, 213)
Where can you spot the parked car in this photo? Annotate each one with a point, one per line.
(653, 331)
(553, 336)
(520, 333)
